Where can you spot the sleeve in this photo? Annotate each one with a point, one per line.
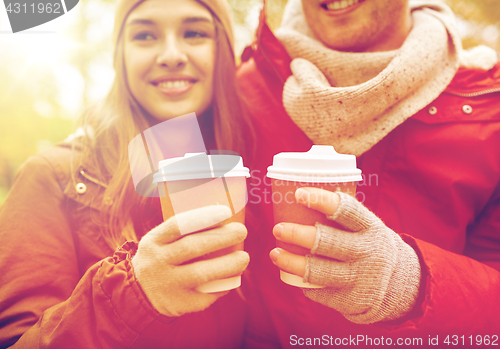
(460, 293)
(45, 302)
(107, 309)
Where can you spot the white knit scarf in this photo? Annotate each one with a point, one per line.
(353, 100)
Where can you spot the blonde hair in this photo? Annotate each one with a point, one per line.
(120, 118)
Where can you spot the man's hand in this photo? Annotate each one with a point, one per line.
(371, 274)
(302, 235)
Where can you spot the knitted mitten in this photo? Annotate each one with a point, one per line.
(371, 273)
(162, 268)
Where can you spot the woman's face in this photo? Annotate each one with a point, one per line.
(169, 57)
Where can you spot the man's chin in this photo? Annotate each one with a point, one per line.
(345, 46)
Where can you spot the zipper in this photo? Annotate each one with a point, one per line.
(474, 94)
(93, 180)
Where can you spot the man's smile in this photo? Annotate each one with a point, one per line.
(339, 4)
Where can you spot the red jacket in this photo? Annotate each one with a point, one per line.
(435, 180)
(61, 286)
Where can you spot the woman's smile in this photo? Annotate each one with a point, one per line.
(173, 86)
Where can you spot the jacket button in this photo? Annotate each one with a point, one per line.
(81, 188)
(433, 110)
(108, 201)
(467, 109)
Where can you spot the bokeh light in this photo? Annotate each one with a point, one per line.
(50, 75)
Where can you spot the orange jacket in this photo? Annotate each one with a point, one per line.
(61, 286)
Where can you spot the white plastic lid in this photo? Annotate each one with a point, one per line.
(321, 164)
(199, 166)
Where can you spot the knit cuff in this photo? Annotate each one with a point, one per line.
(126, 251)
(118, 282)
(409, 275)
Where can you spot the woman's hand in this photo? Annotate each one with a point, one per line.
(161, 262)
(371, 274)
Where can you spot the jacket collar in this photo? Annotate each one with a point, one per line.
(475, 82)
(87, 167)
(82, 182)
(268, 52)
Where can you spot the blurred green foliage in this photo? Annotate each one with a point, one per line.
(32, 116)
(23, 131)
(481, 19)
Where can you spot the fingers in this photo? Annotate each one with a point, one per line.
(197, 245)
(307, 74)
(297, 234)
(189, 222)
(337, 206)
(202, 218)
(339, 274)
(195, 274)
(339, 244)
(318, 199)
(289, 262)
(353, 215)
(194, 301)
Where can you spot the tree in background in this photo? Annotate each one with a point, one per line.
(40, 99)
(480, 21)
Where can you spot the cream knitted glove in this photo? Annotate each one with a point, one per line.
(162, 268)
(371, 273)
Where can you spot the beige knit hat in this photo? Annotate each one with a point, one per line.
(219, 8)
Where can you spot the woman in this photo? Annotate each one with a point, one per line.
(72, 206)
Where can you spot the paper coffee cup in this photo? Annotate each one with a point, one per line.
(320, 167)
(198, 180)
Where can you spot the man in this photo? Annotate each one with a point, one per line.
(383, 80)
